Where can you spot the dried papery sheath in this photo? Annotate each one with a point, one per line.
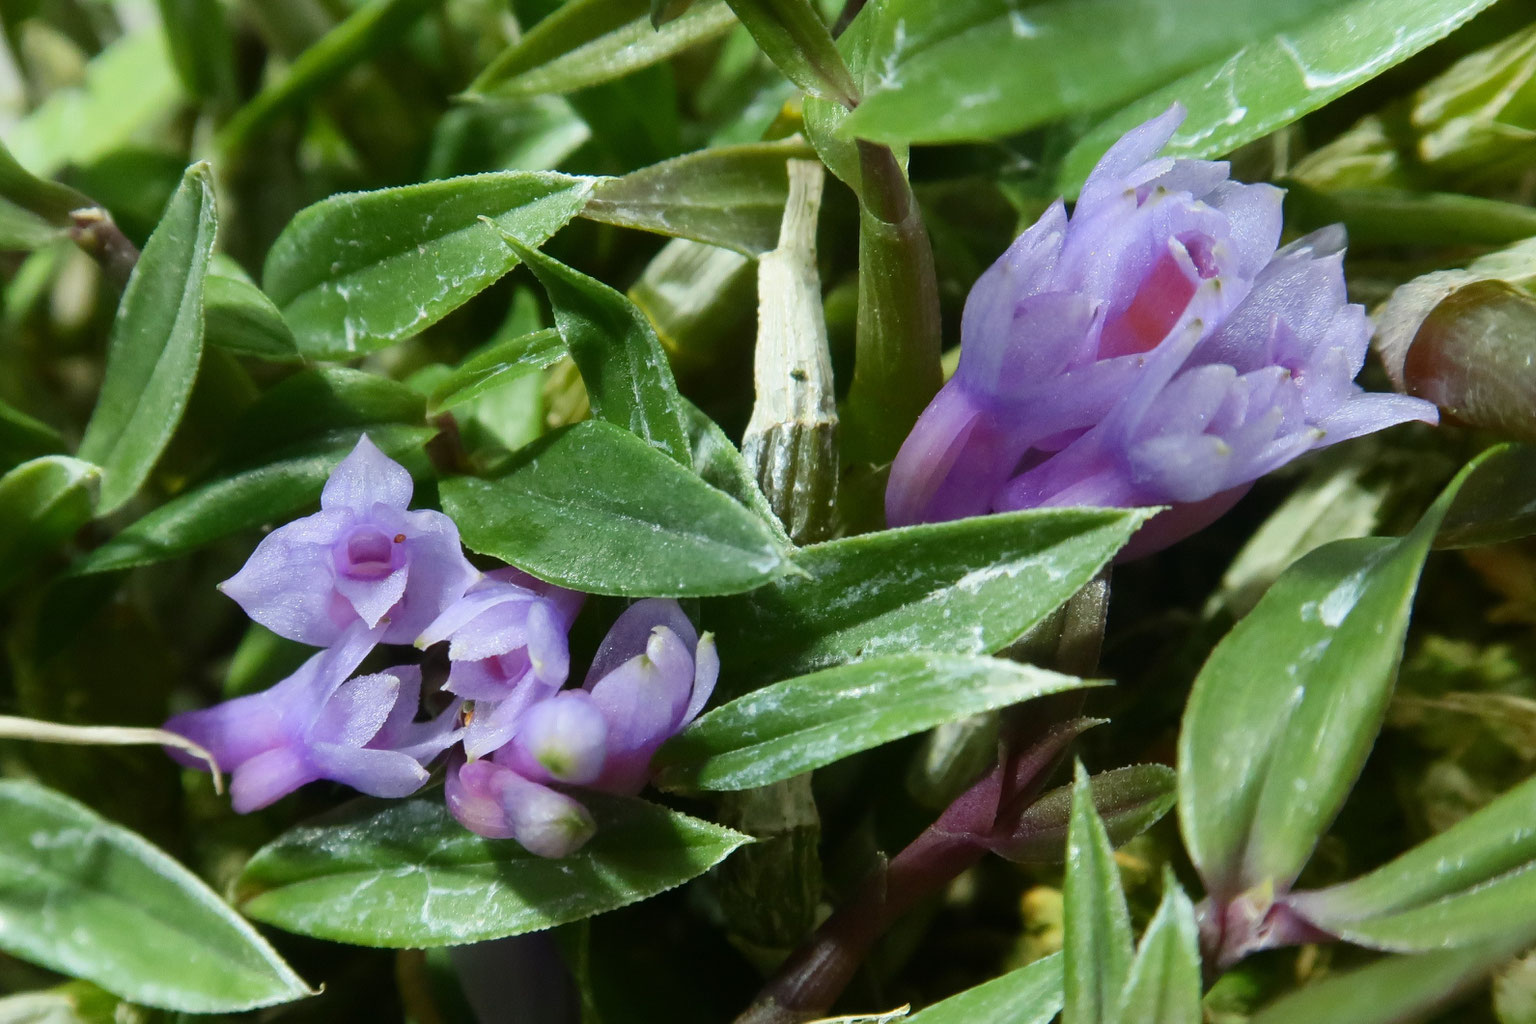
(791, 439)
(1153, 349)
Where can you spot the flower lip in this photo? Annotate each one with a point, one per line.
(366, 552)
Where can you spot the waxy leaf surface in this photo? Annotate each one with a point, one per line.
(1029, 995)
(405, 874)
(588, 42)
(628, 379)
(972, 586)
(42, 502)
(89, 898)
(155, 345)
(1096, 925)
(595, 508)
(362, 270)
(730, 196)
(799, 724)
(975, 69)
(1288, 705)
(1264, 85)
(1164, 985)
(499, 363)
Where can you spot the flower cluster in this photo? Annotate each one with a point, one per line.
(366, 570)
(1155, 348)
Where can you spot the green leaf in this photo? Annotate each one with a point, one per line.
(155, 346)
(1287, 707)
(239, 317)
(500, 362)
(406, 874)
(1164, 985)
(1096, 925)
(628, 379)
(799, 724)
(730, 196)
(1396, 989)
(594, 508)
(262, 495)
(972, 586)
(42, 503)
(1495, 505)
(977, 69)
(1029, 995)
(1452, 889)
(23, 438)
(85, 897)
(1129, 801)
(587, 42)
(128, 85)
(1256, 87)
(372, 27)
(795, 38)
(363, 270)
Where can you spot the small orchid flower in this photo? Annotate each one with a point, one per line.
(1153, 349)
(363, 558)
(652, 675)
(319, 724)
(497, 802)
(508, 647)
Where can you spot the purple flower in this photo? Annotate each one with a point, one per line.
(1153, 349)
(508, 647)
(651, 677)
(318, 724)
(497, 802)
(363, 558)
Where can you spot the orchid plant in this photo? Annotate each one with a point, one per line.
(968, 567)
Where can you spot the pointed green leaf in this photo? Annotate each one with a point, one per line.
(972, 586)
(1129, 800)
(730, 196)
(1288, 705)
(798, 42)
(1029, 995)
(1496, 841)
(594, 508)
(406, 874)
(362, 270)
(1396, 989)
(239, 317)
(500, 362)
(628, 379)
(973, 69)
(1096, 925)
(156, 344)
(42, 503)
(587, 42)
(1164, 986)
(792, 727)
(1258, 86)
(85, 897)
